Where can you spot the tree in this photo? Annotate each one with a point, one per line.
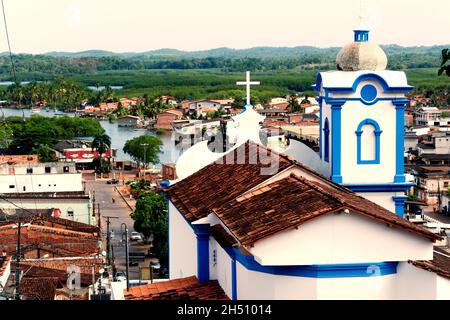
(101, 165)
(144, 149)
(45, 154)
(102, 143)
(444, 66)
(151, 218)
(6, 135)
(293, 104)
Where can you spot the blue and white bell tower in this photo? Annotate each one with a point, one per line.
(362, 123)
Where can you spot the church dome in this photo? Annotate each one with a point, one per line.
(361, 55)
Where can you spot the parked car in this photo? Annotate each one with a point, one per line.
(155, 265)
(135, 236)
(120, 276)
(112, 181)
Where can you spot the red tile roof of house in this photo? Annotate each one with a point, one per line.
(4, 261)
(19, 159)
(38, 288)
(284, 204)
(58, 267)
(292, 201)
(177, 289)
(66, 242)
(439, 265)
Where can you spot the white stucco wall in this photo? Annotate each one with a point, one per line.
(415, 283)
(41, 183)
(82, 208)
(258, 285)
(341, 239)
(443, 288)
(383, 199)
(182, 246)
(220, 269)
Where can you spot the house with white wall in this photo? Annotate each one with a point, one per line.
(40, 177)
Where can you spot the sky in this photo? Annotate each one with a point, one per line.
(38, 26)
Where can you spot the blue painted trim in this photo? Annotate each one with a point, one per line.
(320, 100)
(320, 271)
(369, 93)
(400, 205)
(202, 233)
(367, 103)
(233, 280)
(400, 105)
(326, 142)
(369, 76)
(336, 143)
(359, 133)
(379, 187)
(361, 35)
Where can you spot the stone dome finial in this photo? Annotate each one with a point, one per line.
(361, 54)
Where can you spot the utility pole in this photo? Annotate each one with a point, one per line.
(124, 229)
(17, 273)
(145, 156)
(108, 238)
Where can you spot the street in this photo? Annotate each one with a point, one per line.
(104, 194)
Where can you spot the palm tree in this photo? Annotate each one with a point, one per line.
(293, 104)
(102, 143)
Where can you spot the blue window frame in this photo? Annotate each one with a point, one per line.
(377, 132)
(326, 135)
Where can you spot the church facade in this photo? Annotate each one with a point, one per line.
(264, 225)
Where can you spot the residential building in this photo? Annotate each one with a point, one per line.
(76, 206)
(440, 144)
(40, 177)
(52, 237)
(165, 119)
(128, 121)
(426, 115)
(431, 182)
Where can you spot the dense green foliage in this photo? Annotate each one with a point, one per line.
(445, 67)
(151, 218)
(37, 131)
(144, 149)
(45, 67)
(45, 153)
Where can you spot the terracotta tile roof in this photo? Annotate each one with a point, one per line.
(177, 289)
(4, 261)
(57, 267)
(38, 288)
(292, 201)
(224, 180)
(222, 236)
(42, 217)
(64, 241)
(439, 265)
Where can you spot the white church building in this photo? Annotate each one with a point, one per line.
(302, 225)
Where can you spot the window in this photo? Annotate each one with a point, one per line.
(70, 212)
(66, 169)
(368, 142)
(11, 186)
(24, 188)
(445, 184)
(326, 141)
(48, 169)
(29, 170)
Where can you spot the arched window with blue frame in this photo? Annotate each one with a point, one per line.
(326, 139)
(368, 142)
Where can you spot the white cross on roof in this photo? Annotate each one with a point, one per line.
(247, 83)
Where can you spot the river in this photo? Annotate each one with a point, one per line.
(119, 135)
